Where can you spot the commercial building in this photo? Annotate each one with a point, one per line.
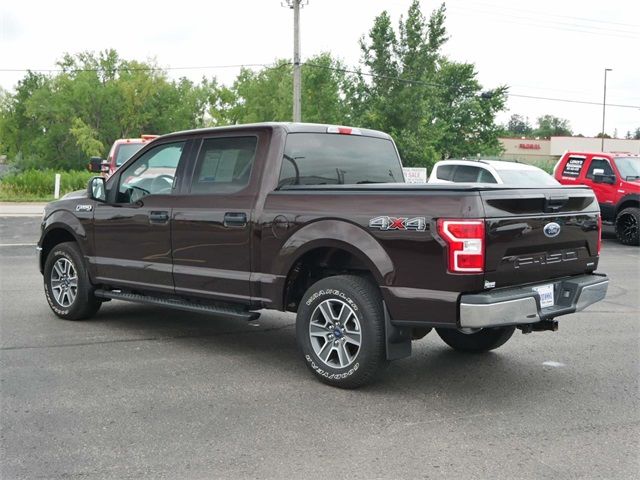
(541, 150)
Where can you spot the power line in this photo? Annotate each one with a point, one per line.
(542, 23)
(546, 14)
(309, 64)
(430, 84)
(140, 69)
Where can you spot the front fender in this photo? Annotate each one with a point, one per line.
(52, 229)
(336, 234)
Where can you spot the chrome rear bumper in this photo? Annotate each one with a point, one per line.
(521, 305)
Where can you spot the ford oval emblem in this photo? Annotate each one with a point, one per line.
(551, 229)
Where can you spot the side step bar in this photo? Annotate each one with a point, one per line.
(217, 310)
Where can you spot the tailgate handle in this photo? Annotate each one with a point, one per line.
(553, 204)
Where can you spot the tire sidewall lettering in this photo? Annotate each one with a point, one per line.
(329, 375)
(334, 293)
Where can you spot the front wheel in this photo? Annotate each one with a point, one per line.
(66, 284)
(475, 340)
(340, 330)
(627, 226)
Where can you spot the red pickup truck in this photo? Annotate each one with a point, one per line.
(615, 179)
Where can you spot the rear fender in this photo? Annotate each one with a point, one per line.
(336, 234)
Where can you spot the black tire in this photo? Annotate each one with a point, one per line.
(627, 222)
(481, 341)
(366, 314)
(84, 304)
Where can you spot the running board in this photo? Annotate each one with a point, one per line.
(217, 310)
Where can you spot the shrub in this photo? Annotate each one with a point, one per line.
(39, 184)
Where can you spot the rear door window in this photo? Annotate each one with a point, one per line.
(486, 176)
(573, 167)
(330, 159)
(224, 165)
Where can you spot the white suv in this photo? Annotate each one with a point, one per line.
(490, 171)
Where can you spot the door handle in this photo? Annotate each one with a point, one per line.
(158, 217)
(235, 219)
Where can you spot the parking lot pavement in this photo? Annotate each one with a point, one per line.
(142, 392)
(19, 209)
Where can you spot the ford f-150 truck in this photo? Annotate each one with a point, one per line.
(316, 219)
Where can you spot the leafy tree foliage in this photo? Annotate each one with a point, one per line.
(434, 108)
(549, 125)
(59, 120)
(405, 85)
(518, 126)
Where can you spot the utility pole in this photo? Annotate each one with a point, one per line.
(295, 5)
(604, 106)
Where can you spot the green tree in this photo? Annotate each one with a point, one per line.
(549, 125)
(434, 107)
(266, 95)
(518, 126)
(58, 120)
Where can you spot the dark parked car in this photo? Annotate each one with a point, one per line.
(315, 219)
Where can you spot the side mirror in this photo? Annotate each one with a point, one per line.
(96, 189)
(94, 164)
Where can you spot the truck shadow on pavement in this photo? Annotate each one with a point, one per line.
(501, 377)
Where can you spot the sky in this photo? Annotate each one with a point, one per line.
(553, 49)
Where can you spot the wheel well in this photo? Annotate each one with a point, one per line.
(627, 204)
(316, 265)
(53, 238)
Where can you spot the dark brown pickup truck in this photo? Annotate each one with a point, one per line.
(316, 219)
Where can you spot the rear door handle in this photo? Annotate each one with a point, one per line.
(235, 219)
(158, 217)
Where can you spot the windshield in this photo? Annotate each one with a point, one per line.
(126, 151)
(629, 167)
(527, 178)
(329, 159)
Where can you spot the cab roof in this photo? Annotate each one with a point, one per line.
(288, 127)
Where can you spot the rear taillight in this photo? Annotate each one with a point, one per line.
(599, 233)
(465, 244)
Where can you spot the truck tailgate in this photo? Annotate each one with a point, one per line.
(537, 235)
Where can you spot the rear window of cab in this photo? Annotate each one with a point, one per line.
(334, 159)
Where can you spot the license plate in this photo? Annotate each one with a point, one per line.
(546, 295)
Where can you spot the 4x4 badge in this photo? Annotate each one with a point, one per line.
(418, 224)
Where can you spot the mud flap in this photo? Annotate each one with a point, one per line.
(397, 339)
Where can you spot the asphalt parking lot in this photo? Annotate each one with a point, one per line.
(142, 392)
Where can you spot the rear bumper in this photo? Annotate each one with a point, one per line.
(521, 305)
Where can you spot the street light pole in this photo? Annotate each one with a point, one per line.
(604, 106)
(295, 5)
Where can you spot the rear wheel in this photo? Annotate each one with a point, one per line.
(340, 330)
(66, 284)
(627, 226)
(475, 340)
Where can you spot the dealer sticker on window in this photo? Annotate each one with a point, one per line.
(546, 295)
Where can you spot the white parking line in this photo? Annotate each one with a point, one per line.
(17, 244)
(551, 363)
